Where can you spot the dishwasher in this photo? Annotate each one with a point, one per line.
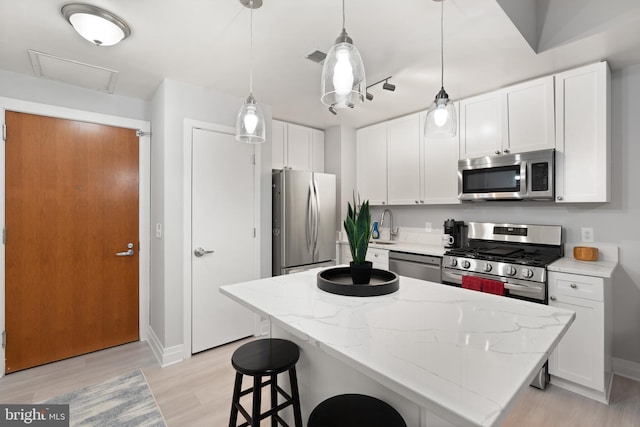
(423, 267)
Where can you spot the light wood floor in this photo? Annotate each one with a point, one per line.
(197, 392)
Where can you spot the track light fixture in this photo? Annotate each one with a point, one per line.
(388, 86)
(333, 110)
(369, 97)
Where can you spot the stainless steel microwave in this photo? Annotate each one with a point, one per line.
(522, 176)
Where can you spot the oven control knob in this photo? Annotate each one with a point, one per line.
(453, 262)
(527, 273)
(510, 270)
(487, 267)
(466, 264)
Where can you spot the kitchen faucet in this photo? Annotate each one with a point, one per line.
(392, 232)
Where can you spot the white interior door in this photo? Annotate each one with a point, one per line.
(222, 225)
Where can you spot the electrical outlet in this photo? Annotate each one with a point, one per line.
(427, 227)
(587, 234)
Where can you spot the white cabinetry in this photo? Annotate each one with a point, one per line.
(297, 147)
(583, 113)
(515, 119)
(582, 360)
(403, 160)
(439, 168)
(371, 164)
(379, 257)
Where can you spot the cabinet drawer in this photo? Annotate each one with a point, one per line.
(576, 286)
(379, 258)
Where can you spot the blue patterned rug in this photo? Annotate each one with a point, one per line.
(122, 401)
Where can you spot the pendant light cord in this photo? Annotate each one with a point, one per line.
(442, 43)
(343, 19)
(251, 48)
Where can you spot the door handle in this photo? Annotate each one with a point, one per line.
(126, 253)
(200, 252)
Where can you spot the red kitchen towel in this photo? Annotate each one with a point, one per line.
(492, 287)
(471, 282)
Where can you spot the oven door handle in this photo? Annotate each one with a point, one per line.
(507, 285)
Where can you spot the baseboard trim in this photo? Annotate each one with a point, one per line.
(626, 368)
(600, 396)
(165, 356)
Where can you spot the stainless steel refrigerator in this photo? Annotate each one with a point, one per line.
(304, 220)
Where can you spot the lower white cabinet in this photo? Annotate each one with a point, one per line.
(582, 360)
(379, 257)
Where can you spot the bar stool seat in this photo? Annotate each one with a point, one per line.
(355, 410)
(265, 358)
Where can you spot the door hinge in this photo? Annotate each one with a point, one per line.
(253, 159)
(4, 131)
(4, 236)
(4, 339)
(254, 232)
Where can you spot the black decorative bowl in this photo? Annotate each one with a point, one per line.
(338, 281)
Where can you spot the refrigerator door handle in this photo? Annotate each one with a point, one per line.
(317, 217)
(310, 208)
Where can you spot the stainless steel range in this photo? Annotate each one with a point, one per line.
(516, 255)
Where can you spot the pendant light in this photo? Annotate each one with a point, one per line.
(441, 117)
(250, 125)
(343, 79)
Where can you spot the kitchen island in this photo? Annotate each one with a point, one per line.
(440, 355)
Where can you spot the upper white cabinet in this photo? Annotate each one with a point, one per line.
(371, 163)
(529, 116)
(297, 147)
(583, 112)
(403, 154)
(515, 119)
(481, 126)
(439, 168)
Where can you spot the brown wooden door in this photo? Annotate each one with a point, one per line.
(71, 205)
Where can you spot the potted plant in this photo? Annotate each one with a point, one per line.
(357, 224)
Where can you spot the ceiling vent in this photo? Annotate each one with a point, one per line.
(73, 72)
(316, 56)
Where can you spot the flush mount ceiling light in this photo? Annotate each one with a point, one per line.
(441, 118)
(343, 78)
(250, 126)
(97, 25)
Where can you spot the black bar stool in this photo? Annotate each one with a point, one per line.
(355, 410)
(265, 358)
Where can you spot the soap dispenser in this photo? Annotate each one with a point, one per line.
(375, 233)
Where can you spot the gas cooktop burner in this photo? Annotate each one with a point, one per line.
(533, 257)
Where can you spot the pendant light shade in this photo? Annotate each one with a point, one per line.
(250, 124)
(442, 119)
(343, 78)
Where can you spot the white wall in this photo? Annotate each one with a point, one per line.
(27, 88)
(340, 159)
(173, 102)
(616, 222)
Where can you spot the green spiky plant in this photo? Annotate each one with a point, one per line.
(357, 224)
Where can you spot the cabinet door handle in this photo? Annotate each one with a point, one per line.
(375, 255)
(417, 201)
(552, 298)
(506, 151)
(497, 151)
(559, 197)
(573, 285)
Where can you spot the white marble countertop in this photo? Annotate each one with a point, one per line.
(461, 354)
(604, 267)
